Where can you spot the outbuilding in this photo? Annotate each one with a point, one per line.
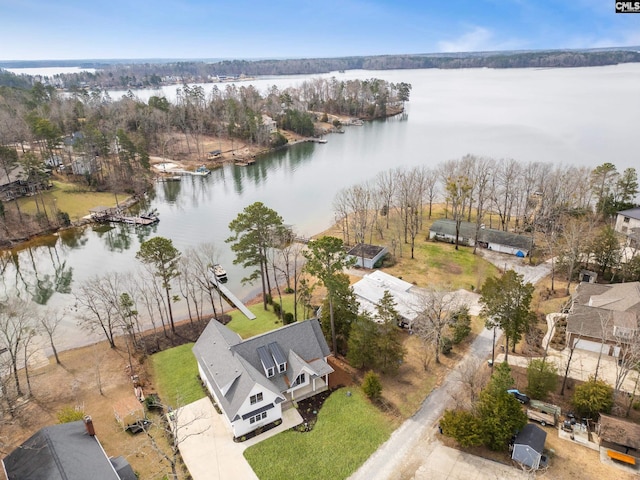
(497, 240)
(619, 439)
(366, 255)
(529, 445)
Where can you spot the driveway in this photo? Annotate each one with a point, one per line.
(444, 463)
(207, 446)
(411, 447)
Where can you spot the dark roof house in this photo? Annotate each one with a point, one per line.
(69, 451)
(497, 240)
(366, 255)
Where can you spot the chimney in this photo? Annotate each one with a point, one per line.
(88, 423)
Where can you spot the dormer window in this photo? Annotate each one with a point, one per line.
(278, 356)
(267, 361)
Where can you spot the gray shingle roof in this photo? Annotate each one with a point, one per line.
(631, 213)
(468, 230)
(60, 452)
(611, 305)
(533, 436)
(238, 365)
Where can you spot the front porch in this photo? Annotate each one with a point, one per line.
(315, 386)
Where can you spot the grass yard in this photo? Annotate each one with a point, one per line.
(265, 320)
(70, 198)
(349, 429)
(176, 376)
(438, 263)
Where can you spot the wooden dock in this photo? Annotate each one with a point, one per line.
(106, 214)
(226, 293)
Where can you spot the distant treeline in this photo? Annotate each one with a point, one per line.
(136, 74)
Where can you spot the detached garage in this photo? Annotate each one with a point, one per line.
(529, 445)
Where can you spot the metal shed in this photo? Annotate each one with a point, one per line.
(528, 446)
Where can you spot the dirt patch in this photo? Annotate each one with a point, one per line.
(77, 383)
(309, 409)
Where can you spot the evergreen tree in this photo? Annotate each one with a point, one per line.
(345, 311)
(463, 426)
(254, 230)
(363, 340)
(506, 304)
(542, 378)
(162, 256)
(371, 385)
(326, 258)
(593, 397)
(500, 414)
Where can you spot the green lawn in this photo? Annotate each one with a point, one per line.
(438, 263)
(176, 376)
(73, 199)
(265, 321)
(348, 431)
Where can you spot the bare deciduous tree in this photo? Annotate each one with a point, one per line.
(49, 320)
(16, 331)
(433, 308)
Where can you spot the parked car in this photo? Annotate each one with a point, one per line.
(521, 397)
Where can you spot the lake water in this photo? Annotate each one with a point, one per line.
(584, 116)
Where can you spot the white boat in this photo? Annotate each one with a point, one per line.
(219, 272)
(202, 171)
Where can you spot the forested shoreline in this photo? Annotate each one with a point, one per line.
(157, 72)
(104, 144)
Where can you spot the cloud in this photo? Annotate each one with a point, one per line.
(478, 39)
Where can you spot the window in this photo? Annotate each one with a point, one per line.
(626, 220)
(257, 418)
(300, 380)
(270, 372)
(282, 367)
(255, 398)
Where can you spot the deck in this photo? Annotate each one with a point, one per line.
(105, 214)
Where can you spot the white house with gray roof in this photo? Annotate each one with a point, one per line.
(252, 380)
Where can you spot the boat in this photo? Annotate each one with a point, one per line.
(150, 215)
(202, 171)
(219, 272)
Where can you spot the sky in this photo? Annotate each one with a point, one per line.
(253, 29)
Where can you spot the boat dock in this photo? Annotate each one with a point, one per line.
(106, 214)
(226, 293)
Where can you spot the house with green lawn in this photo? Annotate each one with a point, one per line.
(253, 380)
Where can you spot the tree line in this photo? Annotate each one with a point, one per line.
(567, 210)
(114, 138)
(145, 74)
